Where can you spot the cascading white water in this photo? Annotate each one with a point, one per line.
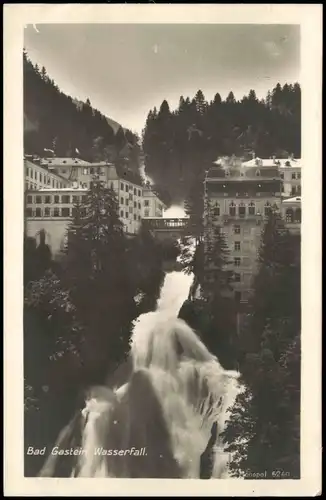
(177, 391)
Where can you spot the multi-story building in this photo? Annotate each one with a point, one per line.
(51, 206)
(242, 195)
(152, 205)
(39, 176)
(291, 213)
(290, 173)
(51, 210)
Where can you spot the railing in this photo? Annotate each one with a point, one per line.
(165, 224)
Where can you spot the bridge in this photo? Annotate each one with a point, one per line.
(166, 228)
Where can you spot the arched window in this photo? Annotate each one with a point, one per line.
(267, 209)
(289, 215)
(297, 215)
(232, 209)
(252, 208)
(242, 210)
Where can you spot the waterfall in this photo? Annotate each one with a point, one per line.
(177, 391)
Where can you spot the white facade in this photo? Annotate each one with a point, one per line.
(152, 205)
(54, 185)
(38, 176)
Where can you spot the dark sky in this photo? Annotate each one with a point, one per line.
(127, 69)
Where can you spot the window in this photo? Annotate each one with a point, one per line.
(47, 200)
(297, 215)
(135, 217)
(252, 208)
(85, 171)
(237, 229)
(38, 212)
(29, 212)
(139, 217)
(65, 212)
(298, 175)
(258, 173)
(139, 206)
(237, 261)
(127, 201)
(237, 277)
(47, 212)
(75, 199)
(289, 215)
(242, 210)
(122, 200)
(92, 170)
(146, 203)
(56, 212)
(232, 209)
(112, 185)
(56, 199)
(267, 209)
(293, 175)
(48, 181)
(131, 209)
(135, 191)
(216, 209)
(135, 204)
(282, 175)
(146, 213)
(65, 198)
(237, 246)
(139, 192)
(122, 186)
(38, 199)
(121, 213)
(53, 182)
(127, 215)
(127, 188)
(29, 199)
(99, 170)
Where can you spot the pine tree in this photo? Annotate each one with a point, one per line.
(97, 270)
(201, 104)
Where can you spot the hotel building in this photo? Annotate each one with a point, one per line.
(242, 195)
(49, 204)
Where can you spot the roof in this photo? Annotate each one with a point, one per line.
(243, 173)
(296, 199)
(46, 190)
(43, 166)
(272, 162)
(60, 162)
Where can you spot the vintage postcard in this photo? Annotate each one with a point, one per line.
(162, 205)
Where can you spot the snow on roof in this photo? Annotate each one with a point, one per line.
(271, 162)
(46, 190)
(293, 200)
(58, 162)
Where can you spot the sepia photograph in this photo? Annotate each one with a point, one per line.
(162, 250)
